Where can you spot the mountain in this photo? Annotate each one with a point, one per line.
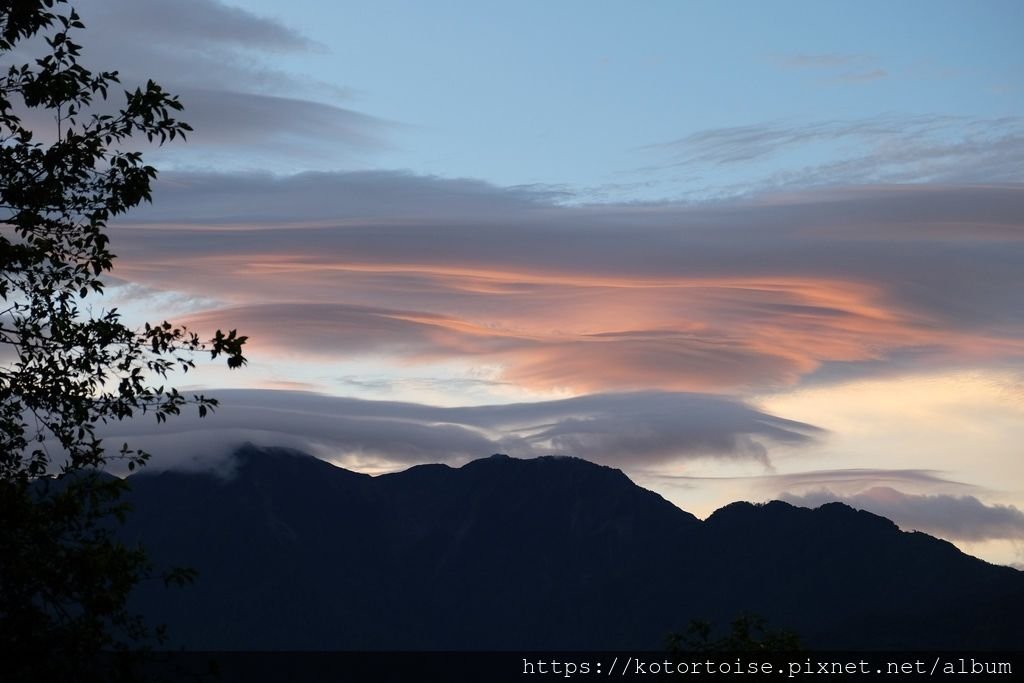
(548, 553)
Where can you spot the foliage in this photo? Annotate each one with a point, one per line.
(65, 370)
(747, 633)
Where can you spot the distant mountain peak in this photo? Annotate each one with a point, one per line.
(537, 553)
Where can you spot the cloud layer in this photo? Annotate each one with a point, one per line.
(962, 518)
(626, 430)
(720, 297)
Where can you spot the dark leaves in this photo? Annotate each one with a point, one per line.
(64, 577)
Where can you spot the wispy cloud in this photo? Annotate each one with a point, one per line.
(861, 76)
(964, 518)
(837, 482)
(835, 67)
(841, 480)
(885, 148)
(820, 60)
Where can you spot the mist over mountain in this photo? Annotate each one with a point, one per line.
(546, 553)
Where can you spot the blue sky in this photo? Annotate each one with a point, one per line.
(739, 250)
(589, 97)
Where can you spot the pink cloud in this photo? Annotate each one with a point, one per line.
(674, 297)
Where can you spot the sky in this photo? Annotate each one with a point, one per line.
(739, 250)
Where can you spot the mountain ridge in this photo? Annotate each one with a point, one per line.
(545, 553)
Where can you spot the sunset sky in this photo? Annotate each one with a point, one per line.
(739, 250)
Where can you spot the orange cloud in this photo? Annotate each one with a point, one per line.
(590, 335)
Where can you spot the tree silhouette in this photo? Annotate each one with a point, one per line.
(747, 633)
(65, 370)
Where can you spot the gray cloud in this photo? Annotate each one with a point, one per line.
(193, 23)
(223, 118)
(215, 57)
(884, 148)
(627, 430)
(203, 43)
(265, 199)
(957, 517)
(379, 383)
(837, 482)
(859, 477)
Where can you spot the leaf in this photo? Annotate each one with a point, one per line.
(68, 369)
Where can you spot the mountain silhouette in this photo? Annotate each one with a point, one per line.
(294, 553)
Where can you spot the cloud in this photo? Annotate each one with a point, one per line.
(855, 479)
(718, 297)
(215, 57)
(225, 119)
(963, 518)
(200, 42)
(328, 329)
(856, 68)
(335, 199)
(861, 76)
(820, 60)
(627, 430)
(883, 148)
(195, 23)
(837, 482)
